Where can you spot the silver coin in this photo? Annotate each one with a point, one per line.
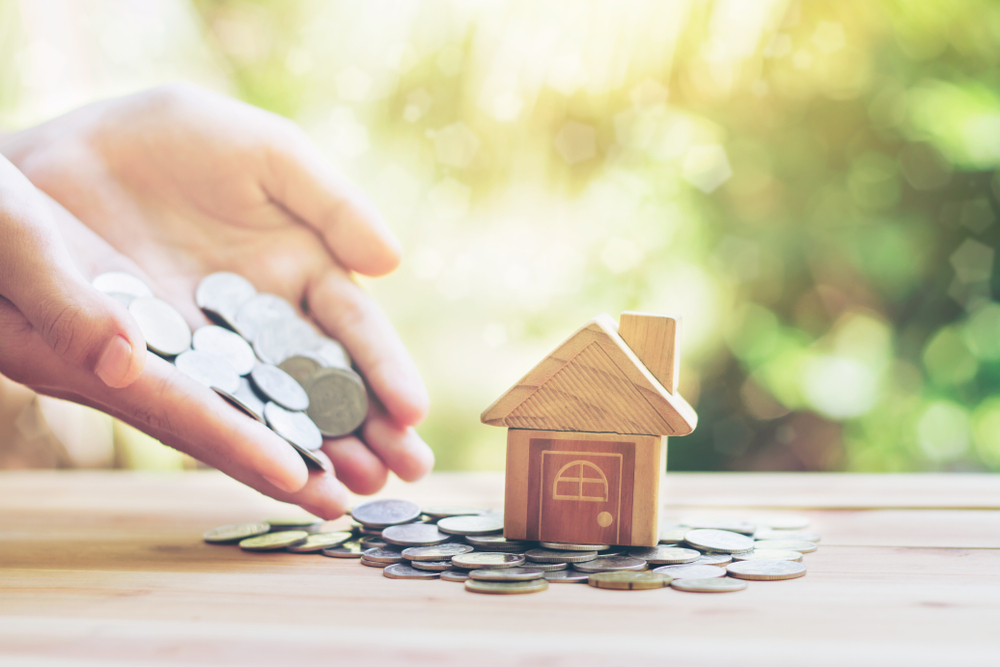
(769, 534)
(165, 330)
(766, 570)
(430, 565)
(434, 553)
(338, 401)
(666, 555)
(226, 344)
(613, 551)
(294, 427)
(716, 585)
(221, 295)
(414, 535)
(279, 386)
(571, 546)
(384, 513)
(566, 577)
(769, 554)
(383, 555)
(209, 370)
(673, 534)
(611, 564)
(246, 399)
(371, 531)
(723, 523)
(301, 367)
(497, 543)
(407, 571)
(258, 311)
(277, 340)
(332, 353)
(311, 460)
(718, 560)
(487, 560)
(455, 575)
(345, 550)
(372, 542)
(373, 563)
(119, 282)
(781, 521)
(509, 574)
(718, 540)
(550, 556)
(547, 567)
(438, 512)
(506, 587)
(692, 571)
(802, 546)
(470, 525)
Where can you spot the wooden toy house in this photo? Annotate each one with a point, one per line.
(587, 434)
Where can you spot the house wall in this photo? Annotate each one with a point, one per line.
(642, 482)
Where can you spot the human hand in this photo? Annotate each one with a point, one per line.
(186, 182)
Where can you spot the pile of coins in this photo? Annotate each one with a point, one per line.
(463, 544)
(259, 355)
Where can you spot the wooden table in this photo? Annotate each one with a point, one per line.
(100, 568)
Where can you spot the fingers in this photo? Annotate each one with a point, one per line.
(349, 315)
(300, 181)
(400, 448)
(356, 466)
(87, 329)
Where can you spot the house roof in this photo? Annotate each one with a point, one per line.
(592, 382)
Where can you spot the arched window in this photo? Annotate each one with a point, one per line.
(580, 480)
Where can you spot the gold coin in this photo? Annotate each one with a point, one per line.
(505, 588)
(274, 541)
(236, 532)
(724, 585)
(625, 581)
(802, 546)
(769, 554)
(766, 570)
(292, 523)
(319, 541)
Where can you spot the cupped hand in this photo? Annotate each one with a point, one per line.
(184, 182)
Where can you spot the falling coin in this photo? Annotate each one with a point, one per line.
(716, 585)
(633, 581)
(766, 570)
(505, 588)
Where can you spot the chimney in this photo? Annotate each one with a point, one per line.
(655, 339)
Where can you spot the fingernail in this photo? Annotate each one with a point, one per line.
(284, 485)
(114, 361)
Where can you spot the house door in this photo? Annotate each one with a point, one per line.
(582, 489)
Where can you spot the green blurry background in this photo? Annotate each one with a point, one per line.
(809, 184)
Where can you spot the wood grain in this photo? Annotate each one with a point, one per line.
(655, 339)
(109, 568)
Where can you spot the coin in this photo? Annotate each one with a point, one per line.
(165, 330)
(383, 555)
(438, 552)
(277, 340)
(373, 542)
(208, 369)
(274, 541)
(718, 540)
(550, 556)
(226, 344)
(373, 563)
(445, 511)
(487, 559)
(673, 535)
(338, 401)
(716, 585)
(506, 588)
(781, 521)
(279, 386)
(236, 532)
(455, 575)
(727, 524)
(406, 571)
(384, 513)
(346, 550)
(625, 581)
(497, 543)
(802, 546)
(431, 565)
(766, 570)
(666, 555)
(565, 576)
(372, 532)
(301, 367)
(769, 534)
(569, 546)
(292, 523)
(718, 560)
(414, 535)
(510, 574)
(295, 427)
(691, 571)
(221, 295)
(547, 567)
(312, 460)
(319, 541)
(332, 353)
(470, 525)
(769, 554)
(611, 563)
(258, 311)
(119, 282)
(245, 399)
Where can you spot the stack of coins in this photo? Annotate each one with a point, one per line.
(465, 544)
(259, 355)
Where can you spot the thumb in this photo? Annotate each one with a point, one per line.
(84, 327)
